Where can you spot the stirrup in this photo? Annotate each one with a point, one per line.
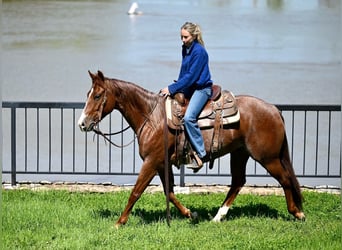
(196, 163)
(198, 160)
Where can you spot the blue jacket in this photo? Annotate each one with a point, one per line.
(194, 73)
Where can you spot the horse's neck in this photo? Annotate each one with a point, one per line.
(134, 103)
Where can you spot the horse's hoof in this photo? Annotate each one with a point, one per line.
(194, 217)
(300, 216)
(215, 220)
(117, 225)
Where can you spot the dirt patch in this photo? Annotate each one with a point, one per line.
(108, 187)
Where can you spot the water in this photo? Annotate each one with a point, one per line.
(281, 51)
(286, 52)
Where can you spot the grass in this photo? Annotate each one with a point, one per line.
(64, 220)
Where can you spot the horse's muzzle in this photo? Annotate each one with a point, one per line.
(85, 124)
(85, 128)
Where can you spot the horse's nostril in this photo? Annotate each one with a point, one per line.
(81, 126)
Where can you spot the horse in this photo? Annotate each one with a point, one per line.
(260, 134)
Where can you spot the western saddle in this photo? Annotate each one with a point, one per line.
(220, 110)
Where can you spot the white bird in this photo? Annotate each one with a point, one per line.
(133, 9)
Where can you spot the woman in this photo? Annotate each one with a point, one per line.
(195, 82)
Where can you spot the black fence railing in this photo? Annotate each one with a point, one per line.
(41, 140)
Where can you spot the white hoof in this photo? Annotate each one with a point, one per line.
(220, 214)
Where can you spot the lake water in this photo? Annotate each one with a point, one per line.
(286, 52)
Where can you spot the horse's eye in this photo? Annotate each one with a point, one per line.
(97, 97)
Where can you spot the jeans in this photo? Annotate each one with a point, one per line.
(197, 101)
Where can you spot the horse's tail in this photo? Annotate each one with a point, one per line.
(287, 165)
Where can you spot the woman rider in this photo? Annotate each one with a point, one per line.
(195, 83)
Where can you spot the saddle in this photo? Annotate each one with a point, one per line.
(220, 110)
(221, 107)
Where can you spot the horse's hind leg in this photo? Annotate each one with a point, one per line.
(287, 179)
(238, 161)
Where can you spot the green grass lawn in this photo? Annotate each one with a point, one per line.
(75, 220)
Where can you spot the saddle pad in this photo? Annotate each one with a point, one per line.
(168, 109)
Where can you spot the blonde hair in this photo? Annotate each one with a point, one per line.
(194, 30)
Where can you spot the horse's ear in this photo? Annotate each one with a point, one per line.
(91, 75)
(100, 74)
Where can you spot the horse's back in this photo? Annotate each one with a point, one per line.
(260, 109)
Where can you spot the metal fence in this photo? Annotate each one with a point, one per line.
(42, 141)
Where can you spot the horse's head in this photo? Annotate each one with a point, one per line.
(96, 107)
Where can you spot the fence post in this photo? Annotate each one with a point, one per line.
(182, 176)
(13, 147)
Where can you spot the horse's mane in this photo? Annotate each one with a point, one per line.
(134, 90)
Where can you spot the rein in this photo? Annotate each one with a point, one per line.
(166, 170)
(104, 135)
(97, 131)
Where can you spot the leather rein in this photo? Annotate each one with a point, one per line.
(97, 131)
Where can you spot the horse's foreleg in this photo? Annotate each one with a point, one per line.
(183, 210)
(146, 174)
(238, 161)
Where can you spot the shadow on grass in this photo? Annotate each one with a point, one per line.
(104, 214)
(255, 210)
(250, 210)
(204, 213)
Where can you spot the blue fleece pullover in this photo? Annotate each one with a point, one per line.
(194, 73)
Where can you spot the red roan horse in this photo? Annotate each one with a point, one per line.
(260, 134)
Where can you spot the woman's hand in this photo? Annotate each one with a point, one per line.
(164, 92)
